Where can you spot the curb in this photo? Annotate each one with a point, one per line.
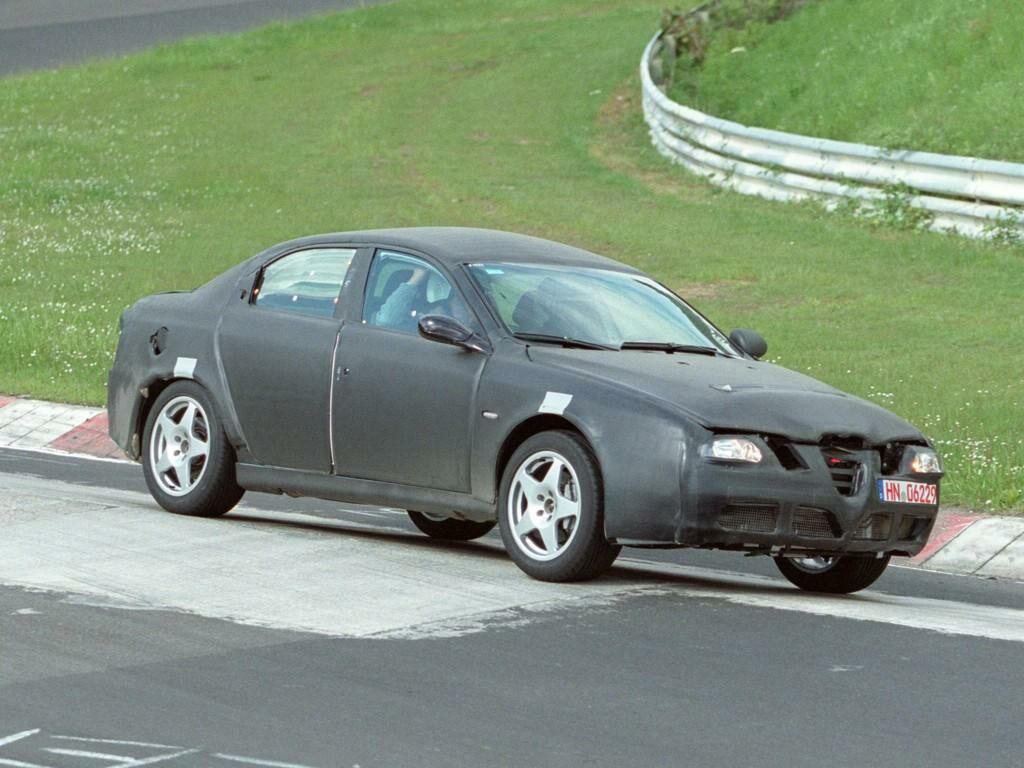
(38, 425)
(962, 541)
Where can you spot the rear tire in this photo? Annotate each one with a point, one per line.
(187, 461)
(449, 528)
(835, 575)
(551, 509)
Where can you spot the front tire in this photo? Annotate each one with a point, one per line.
(551, 509)
(832, 575)
(187, 461)
(449, 528)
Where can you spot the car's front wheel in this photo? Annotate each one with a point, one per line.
(835, 575)
(441, 527)
(187, 461)
(551, 509)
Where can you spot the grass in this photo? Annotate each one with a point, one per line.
(936, 75)
(156, 172)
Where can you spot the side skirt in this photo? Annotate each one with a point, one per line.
(353, 490)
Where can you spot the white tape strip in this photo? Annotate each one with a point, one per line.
(185, 368)
(555, 402)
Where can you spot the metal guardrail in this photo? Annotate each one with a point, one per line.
(970, 196)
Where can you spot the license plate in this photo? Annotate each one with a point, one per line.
(907, 492)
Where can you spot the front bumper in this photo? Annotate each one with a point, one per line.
(772, 509)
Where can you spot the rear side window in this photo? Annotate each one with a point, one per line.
(306, 282)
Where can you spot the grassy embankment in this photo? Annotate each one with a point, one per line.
(156, 172)
(936, 75)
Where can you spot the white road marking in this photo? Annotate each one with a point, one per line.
(157, 759)
(17, 737)
(118, 742)
(127, 761)
(253, 761)
(19, 764)
(88, 755)
(325, 576)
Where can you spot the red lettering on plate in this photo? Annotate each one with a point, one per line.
(892, 491)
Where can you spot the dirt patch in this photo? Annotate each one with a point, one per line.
(716, 290)
(618, 146)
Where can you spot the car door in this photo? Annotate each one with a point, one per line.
(404, 404)
(277, 342)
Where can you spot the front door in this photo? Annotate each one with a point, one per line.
(403, 404)
(277, 344)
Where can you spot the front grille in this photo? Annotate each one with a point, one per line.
(844, 471)
(875, 528)
(749, 518)
(814, 523)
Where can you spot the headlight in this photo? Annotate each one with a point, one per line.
(733, 449)
(921, 461)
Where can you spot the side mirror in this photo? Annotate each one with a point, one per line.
(448, 330)
(750, 342)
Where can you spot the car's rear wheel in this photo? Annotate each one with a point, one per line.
(441, 527)
(835, 575)
(187, 461)
(551, 511)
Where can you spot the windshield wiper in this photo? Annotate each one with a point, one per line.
(565, 341)
(669, 346)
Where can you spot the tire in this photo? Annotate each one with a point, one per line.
(182, 476)
(836, 575)
(551, 509)
(448, 528)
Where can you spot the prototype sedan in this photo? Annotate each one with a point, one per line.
(475, 377)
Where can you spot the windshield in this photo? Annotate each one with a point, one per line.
(594, 306)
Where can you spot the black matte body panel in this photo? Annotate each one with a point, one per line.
(422, 425)
(403, 407)
(278, 370)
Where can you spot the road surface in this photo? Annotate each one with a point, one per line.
(301, 633)
(37, 34)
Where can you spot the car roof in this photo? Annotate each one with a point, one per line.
(458, 245)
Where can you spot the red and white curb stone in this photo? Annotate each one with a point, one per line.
(962, 542)
(39, 425)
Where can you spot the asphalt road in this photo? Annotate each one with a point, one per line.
(301, 633)
(36, 34)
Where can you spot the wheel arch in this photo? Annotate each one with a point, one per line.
(534, 425)
(148, 396)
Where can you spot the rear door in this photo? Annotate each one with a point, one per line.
(277, 342)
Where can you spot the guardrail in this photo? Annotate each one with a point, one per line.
(970, 196)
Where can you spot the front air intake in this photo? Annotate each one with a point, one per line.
(814, 523)
(875, 528)
(749, 518)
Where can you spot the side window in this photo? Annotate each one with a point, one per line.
(401, 289)
(307, 282)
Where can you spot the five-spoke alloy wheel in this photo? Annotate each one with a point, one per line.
(188, 464)
(551, 509)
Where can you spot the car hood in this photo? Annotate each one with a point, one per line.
(737, 394)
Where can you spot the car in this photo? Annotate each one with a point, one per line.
(473, 377)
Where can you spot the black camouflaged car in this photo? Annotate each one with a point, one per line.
(475, 377)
